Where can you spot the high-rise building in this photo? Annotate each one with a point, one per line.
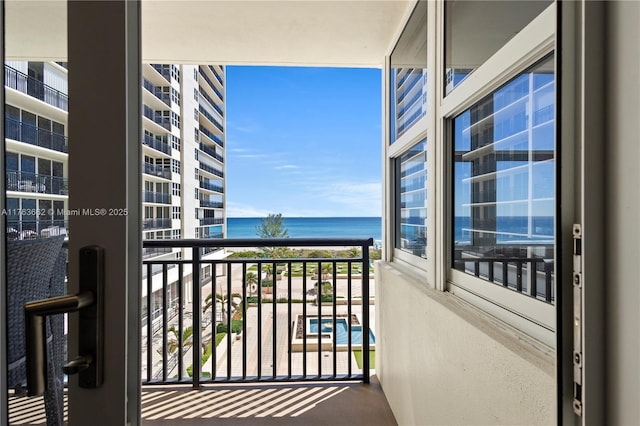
(183, 119)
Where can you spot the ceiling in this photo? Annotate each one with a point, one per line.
(302, 32)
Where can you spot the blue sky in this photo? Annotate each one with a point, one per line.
(304, 142)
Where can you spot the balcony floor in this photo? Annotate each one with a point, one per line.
(309, 404)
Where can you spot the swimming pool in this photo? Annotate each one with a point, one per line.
(341, 330)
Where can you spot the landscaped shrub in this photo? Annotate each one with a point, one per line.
(254, 300)
(236, 327)
(206, 355)
(267, 283)
(249, 254)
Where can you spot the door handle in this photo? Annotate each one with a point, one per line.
(89, 303)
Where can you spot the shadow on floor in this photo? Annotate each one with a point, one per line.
(308, 404)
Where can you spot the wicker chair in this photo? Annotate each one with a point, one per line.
(36, 270)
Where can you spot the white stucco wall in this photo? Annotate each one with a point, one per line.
(442, 361)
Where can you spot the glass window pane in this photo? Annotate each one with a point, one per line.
(411, 203)
(504, 184)
(408, 76)
(475, 30)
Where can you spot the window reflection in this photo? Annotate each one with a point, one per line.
(475, 30)
(411, 205)
(504, 182)
(408, 76)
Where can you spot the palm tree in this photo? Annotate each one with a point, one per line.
(268, 268)
(327, 269)
(251, 281)
(223, 299)
(174, 342)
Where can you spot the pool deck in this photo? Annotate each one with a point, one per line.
(344, 359)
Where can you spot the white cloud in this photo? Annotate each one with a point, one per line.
(244, 210)
(287, 167)
(354, 198)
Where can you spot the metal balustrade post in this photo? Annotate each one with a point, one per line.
(197, 320)
(365, 314)
(165, 322)
(149, 324)
(229, 325)
(180, 323)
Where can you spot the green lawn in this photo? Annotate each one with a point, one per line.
(372, 358)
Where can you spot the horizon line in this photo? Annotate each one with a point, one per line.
(308, 217)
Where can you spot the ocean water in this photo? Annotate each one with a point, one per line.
(312, 227)
(514, 228)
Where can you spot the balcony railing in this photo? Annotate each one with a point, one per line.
(157, 170)
(156, 223)
(156, 118)
(35, 88)
(212, 152)
(211, 118)
(157, 197)
(34, 182)
(156, 144)
(210, 169)
(31, 134)
(165, 97)
(528, 275)
(211, 186)
(165, 72)
(218, 327)
(211, 204)
(213, 87)
(149, 252)
(211, 136)
(215, 73)
(211, 101)
(24, 229)
(211, 221)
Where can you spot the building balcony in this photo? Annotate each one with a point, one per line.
(154, 252)
(24, 132)
(211, 101)
(35, 88)
(211, 136)
(317, 380)
(211, 170)
(212, 119)
(211, 84)
(211, 221)
(310, 332)
(211, 152)
(156, 223)
(165, 97)
(154, 116)
(157, 170)
(205, 184)
(25, 228)
(211, 204)
(36, 183)
(163, 71)
(156, 144)
(216, 74)
(157, 197)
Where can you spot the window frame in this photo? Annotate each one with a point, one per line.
(536, 40)
(533, 43)
(423, 128)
